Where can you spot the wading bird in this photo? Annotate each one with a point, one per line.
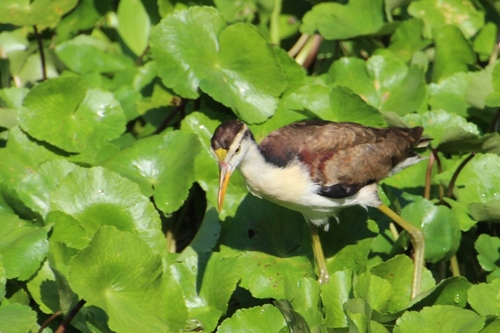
(316, 167)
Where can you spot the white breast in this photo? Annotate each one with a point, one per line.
(291, 187)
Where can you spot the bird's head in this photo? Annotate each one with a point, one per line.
(229, 144)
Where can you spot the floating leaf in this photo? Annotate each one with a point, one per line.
(451, 319)
(260, 319)
(16, 318)
(440, 228)
(488, 256)
(119, 273)
(26, 12)
(35, 188)
(157, 162)
(337, 21)
(394, 277)
(65, 113)
(444, 127)
(334, 294)
(43, 289)
(438, 13)
(383, 82)
(194, 48)
(23, 247)
(209, 301)
(453, 53)
(86, 54)
(133, 25)
(21, 156)
(97, 197)
(483, 298)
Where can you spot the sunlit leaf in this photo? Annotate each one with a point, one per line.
(437, 13)
(194, 49)
(26, 12)
(133, 25)
(261, 319)
(16, 318)
(65, 113)
(23, 247)
(97, 197)
(119, 273)
(451, 319)
(337, 21)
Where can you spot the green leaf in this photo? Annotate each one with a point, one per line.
(156, 162)
(489, 211)
(86, 54)
(333, 295)
(133, 25)
(394, 278)
(65, 113)
(493, 98)
(16, 318)
(451, 319)
(358, 313)
(492, 327)
(197, 40)
(407, 39)
(449, 94)
(336, 21)
(483, 298)
(453, 53)
(249, 236)
(304, 297)
(347, 106)
(487, 248)
(484, 42)
(383, 82)
(97, 197)
(441, 229)
(208, 301)
(21, 157)
(479, 180)
(258, 319)
(451, 291)
(205, 165)
(26, 12)
(43, 289)
(11, 99)
(23, 247)
(444, 127)
(119, 273)
(438, 13)
(36, 187)
(311, 98)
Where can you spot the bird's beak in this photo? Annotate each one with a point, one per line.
(225, 171)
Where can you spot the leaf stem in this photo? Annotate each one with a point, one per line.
(70, 316)
(42, 53)
(299, 44)
(449, 192)
(455, 269)
(48, 320)
(275, 23)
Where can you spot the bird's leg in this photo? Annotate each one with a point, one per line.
(418, 241)
(323, 276)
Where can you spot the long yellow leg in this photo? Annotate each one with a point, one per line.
(418, 241)
(323, 276)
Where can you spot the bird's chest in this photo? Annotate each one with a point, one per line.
(290, 187)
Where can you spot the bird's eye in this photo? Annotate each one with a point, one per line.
(237, 150)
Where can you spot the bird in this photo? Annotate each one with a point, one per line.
(316, 167)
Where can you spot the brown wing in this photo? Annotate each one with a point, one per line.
(341, 157)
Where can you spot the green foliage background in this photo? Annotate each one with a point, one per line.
(108, 187)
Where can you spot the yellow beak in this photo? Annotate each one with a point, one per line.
(225, 171)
